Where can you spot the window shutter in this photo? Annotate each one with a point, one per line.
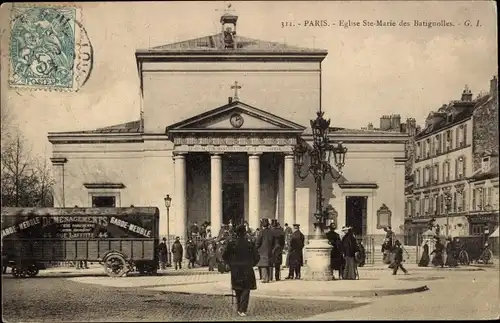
(454, 202)
(463, 166)
(437, 173)
(474, 194)
(457, 137)
(456, 168)
(465, 134)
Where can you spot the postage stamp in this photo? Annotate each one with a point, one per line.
(45, 48)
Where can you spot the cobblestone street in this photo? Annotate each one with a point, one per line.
(69, 295)
(52, 299)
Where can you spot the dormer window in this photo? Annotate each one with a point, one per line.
(449, 117)
(485, 164)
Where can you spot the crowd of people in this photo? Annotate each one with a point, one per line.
(347, 254)
(439, 252)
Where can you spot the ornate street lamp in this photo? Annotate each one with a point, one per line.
(168, 203)
(322, 155)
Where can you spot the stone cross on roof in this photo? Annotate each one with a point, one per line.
(235, 87)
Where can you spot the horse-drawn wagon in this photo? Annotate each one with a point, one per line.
(121, 239)
(472, 249)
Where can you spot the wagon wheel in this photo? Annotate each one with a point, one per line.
(23, 272)
(16, 271)
(486, 257)
(33, 270)
(115, 265)
(463, 258)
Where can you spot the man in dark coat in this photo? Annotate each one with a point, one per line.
(295, 253)
(336, 252)
(162, 253)
(349, 247)
(288, 235)
(279, 245)
(264, 245)
(191, 253)
(398, 258)
(177, 252)
(242, 256)
(437, 260)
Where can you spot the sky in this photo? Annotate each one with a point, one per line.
(369, 71)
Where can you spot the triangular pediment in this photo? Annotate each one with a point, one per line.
(215, 42)
(236, 117)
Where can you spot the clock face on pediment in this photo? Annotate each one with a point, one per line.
(236, 120)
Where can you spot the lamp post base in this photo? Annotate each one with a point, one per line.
(318, 258)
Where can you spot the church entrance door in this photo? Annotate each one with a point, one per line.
(356, 214)
(233, 203)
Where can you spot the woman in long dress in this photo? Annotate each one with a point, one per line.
(424, 260)
(350, 247)
(437, 260)
(451, 261)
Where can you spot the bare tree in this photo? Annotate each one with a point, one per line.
(25, 181)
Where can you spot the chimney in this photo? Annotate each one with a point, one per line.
(370, 126)
(385, 122)
(466, 94)
(396, 122)
(229, 99)
(494, 87)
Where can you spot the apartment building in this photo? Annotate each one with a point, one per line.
(442, 164)
(484, 206)
(455, 182)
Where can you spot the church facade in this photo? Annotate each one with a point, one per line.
(220, 117)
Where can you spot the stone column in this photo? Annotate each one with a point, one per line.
(58, 164)
(180, 195)
(254, 190)
(289, 188)
(216, 193)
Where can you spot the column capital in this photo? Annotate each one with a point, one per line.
(58, 161)
(254, 155)
(289, 155)
(179, 155)
(216, 155)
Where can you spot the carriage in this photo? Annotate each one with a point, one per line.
(471, 249)
(121, 239)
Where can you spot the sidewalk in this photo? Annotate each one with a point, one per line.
(415, 267)
(301, 289)
(371, 284)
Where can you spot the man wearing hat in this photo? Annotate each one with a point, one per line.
(278, 246)
(398, 258)
(264, 244)
(295, 254)
(336, 252)
(177, 252)
(242, 256)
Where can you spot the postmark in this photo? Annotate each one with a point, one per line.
(49, 48)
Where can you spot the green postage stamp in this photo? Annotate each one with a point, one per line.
(45, 47)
